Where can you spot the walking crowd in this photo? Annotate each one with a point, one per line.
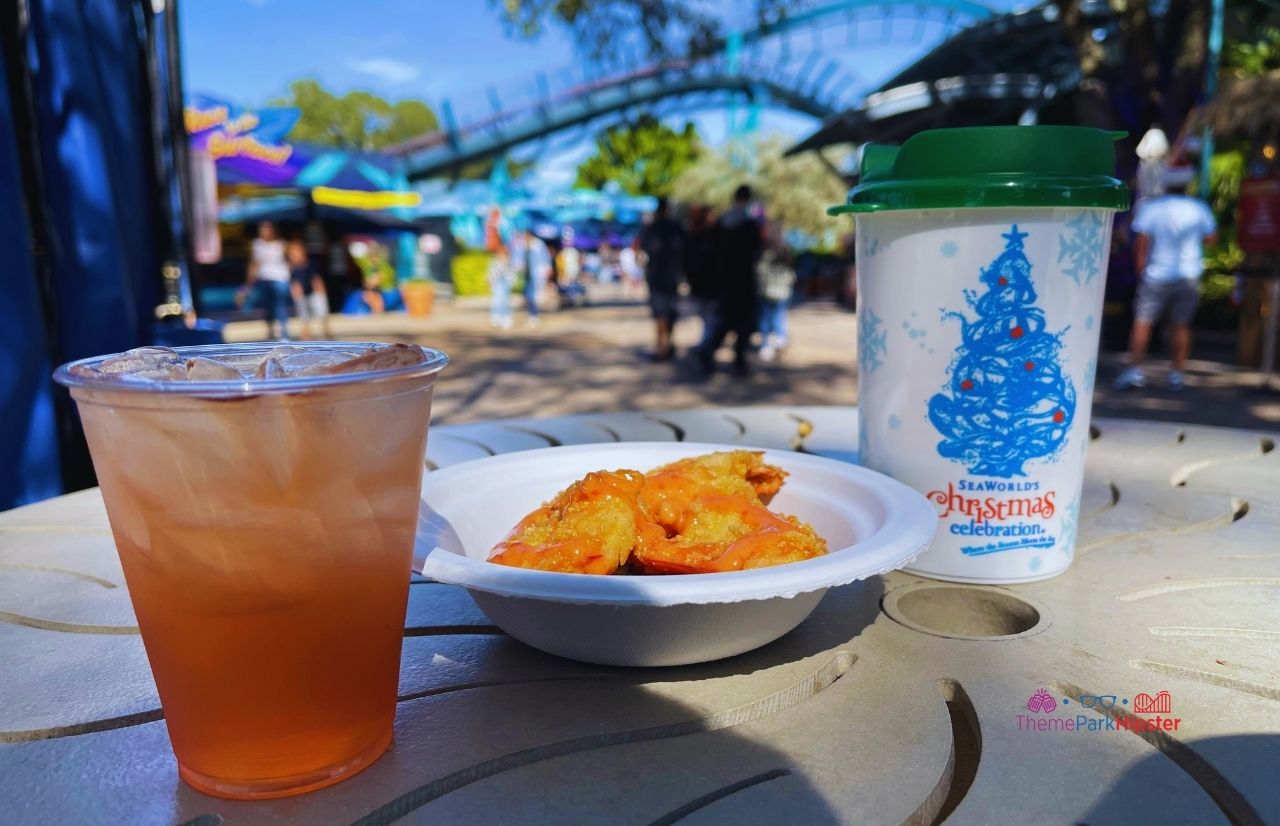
(740, 273)
(733, 270)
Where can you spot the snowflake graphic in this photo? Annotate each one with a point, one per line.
(873, 247)
(949, 249)
(871, 342)
(1090, 374)
(1070, 524)
(1081, 247)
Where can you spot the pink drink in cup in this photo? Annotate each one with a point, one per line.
(263, 502)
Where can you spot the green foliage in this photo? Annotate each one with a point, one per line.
(1226, 171)
(356, 120)
(1217, 286)
(795, 191)
(604, 29)
(1216, 310)
(644, 158)
(1222, 259)
(471, 273)
(1252, 58)
(1227, 168)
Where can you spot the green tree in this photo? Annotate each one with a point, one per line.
(795, 191)
(1243, 120)
(644, 157)
(356, 120)
(1249, 58)
(605, 29)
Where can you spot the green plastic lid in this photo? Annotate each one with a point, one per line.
(991, 166)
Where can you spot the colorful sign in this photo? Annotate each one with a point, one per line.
(357, 199)
(248, 146)
(1258, 223)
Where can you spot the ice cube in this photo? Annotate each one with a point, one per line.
(311, 362)
(270, 369)
(387, 357)
(282, 351)
(141, 360)
(163, 372)
(203, 369)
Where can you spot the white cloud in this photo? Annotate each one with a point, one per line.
(385, 69)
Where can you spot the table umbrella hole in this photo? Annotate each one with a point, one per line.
(965, 612)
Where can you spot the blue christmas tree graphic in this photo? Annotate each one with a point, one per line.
(1007, 401)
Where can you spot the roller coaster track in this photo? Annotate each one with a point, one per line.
(737, 70)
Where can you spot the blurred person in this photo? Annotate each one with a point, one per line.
(777, 279)
(310, 298)
(537, 272)
(663, 243)
(268, 280)
(630, 268)
(608, 271)
(737, 246)
(502, 277)
(569, 272)
(569, 263)
(700, 265)
(1170, 232)
(493, 230)
(591, 267)
(369, 300)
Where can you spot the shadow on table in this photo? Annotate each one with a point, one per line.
(843, 615)
(554, 741)
(516, 735)
(675, 761)
(1237, 773)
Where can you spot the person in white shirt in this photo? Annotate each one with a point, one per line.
(268, 277)
(1171, 233)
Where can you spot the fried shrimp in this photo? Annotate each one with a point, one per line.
(671, 490)
(591, 527)
(703, 514)
(729, 533)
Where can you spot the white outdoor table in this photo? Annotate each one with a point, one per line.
(896, 702)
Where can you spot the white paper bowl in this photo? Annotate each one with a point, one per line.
(871, 523)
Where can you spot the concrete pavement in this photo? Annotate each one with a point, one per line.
(595, 359)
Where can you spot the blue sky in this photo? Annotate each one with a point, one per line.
(249, 51)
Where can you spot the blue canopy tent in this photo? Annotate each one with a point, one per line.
(86, 216)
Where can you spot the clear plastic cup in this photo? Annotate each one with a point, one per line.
(265, 528)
